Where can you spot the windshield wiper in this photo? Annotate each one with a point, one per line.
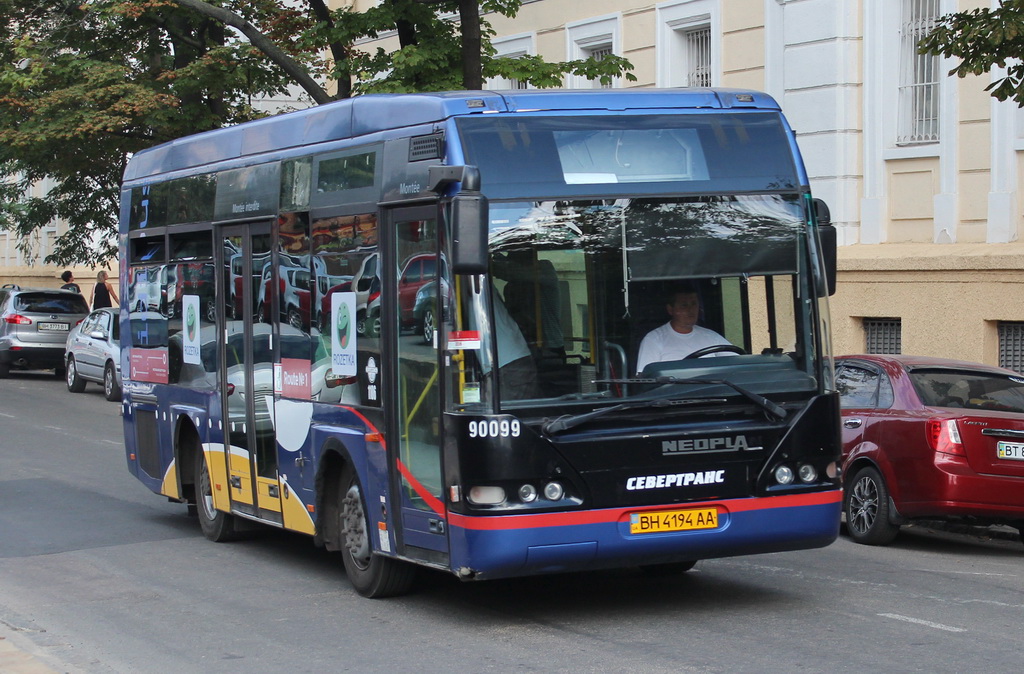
(567, 421)
(767, 405)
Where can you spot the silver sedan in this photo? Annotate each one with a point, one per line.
(93, 353)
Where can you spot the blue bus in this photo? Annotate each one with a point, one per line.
(415, 327)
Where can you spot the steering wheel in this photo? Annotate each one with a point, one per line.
(716, 348)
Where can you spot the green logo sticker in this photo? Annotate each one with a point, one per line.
(190, 323)
(343, 325)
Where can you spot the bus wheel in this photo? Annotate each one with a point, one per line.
(371, 575)
(217, 526)
(658, 570)
(866, 503)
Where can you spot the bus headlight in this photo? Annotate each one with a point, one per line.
(784, 475)
(527, 493)
(486, 495)
(807, 473)
(553, 491)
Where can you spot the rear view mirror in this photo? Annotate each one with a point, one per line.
(469, 217)
(469, 228)
(827, 237)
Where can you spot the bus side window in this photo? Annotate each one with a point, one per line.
(291, 283)
(344, 263)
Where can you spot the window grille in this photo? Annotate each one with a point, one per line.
(502, 83)
(919, 75)
(698, 56)
(1011, 345)
(883, 335)
(598, 53)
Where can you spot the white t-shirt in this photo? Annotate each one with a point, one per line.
(663, 344)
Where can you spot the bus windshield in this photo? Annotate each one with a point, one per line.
(603, 155)
(577, 286)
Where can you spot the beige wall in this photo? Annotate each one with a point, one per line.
(949, 298)
(48, 276)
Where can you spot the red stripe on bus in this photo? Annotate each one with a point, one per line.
(369, 424)
(605, 516)
(421, 491)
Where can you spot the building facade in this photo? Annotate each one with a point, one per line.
(922, 171)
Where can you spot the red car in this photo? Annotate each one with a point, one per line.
(929, 438)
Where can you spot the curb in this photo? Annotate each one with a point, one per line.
(14, 660)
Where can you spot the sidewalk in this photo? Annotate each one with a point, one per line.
(14, 660)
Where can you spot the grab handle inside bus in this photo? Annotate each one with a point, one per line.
(469, 217)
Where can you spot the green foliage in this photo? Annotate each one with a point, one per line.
(984, 39)
(86, 83)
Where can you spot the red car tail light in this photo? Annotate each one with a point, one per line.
(944, 437)
(18, 319)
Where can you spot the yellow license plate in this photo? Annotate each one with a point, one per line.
(673, 520)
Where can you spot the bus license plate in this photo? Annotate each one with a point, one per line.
(53, 327)
(673, 520)
(1010, 450)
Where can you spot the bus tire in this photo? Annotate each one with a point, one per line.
(866, 505)
(371, 575)
(216, 525)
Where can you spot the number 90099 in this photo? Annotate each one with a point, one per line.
(495, 428)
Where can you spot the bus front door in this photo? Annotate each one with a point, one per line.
(415, 403)
(247, 377)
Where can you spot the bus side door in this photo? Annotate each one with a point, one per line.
(247, 379)
(414, 403)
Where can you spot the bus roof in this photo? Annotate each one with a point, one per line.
(373, 113)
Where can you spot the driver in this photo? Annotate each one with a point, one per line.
(681, 336)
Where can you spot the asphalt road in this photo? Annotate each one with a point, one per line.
(97, 574)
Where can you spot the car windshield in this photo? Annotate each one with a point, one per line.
(50, 303)
(967, 389)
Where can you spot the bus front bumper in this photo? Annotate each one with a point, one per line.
(522, 545)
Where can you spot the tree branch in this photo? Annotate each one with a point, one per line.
(260, 41)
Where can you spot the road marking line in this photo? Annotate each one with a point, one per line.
(918, 621)
(973, 573)
(4, 414)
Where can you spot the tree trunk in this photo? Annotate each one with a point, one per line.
(472, 66)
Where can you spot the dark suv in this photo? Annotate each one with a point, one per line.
(34, 326)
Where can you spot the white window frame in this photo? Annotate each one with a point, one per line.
(583, 37)
(512, 46)
(882, 20)
(882, 49)
(674, 20)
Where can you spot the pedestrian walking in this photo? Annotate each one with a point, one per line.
(103, 293)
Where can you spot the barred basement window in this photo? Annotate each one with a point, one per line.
(883, 335)
(1011, 345)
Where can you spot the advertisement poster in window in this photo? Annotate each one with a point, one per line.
(343, 334)
(190, 330)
